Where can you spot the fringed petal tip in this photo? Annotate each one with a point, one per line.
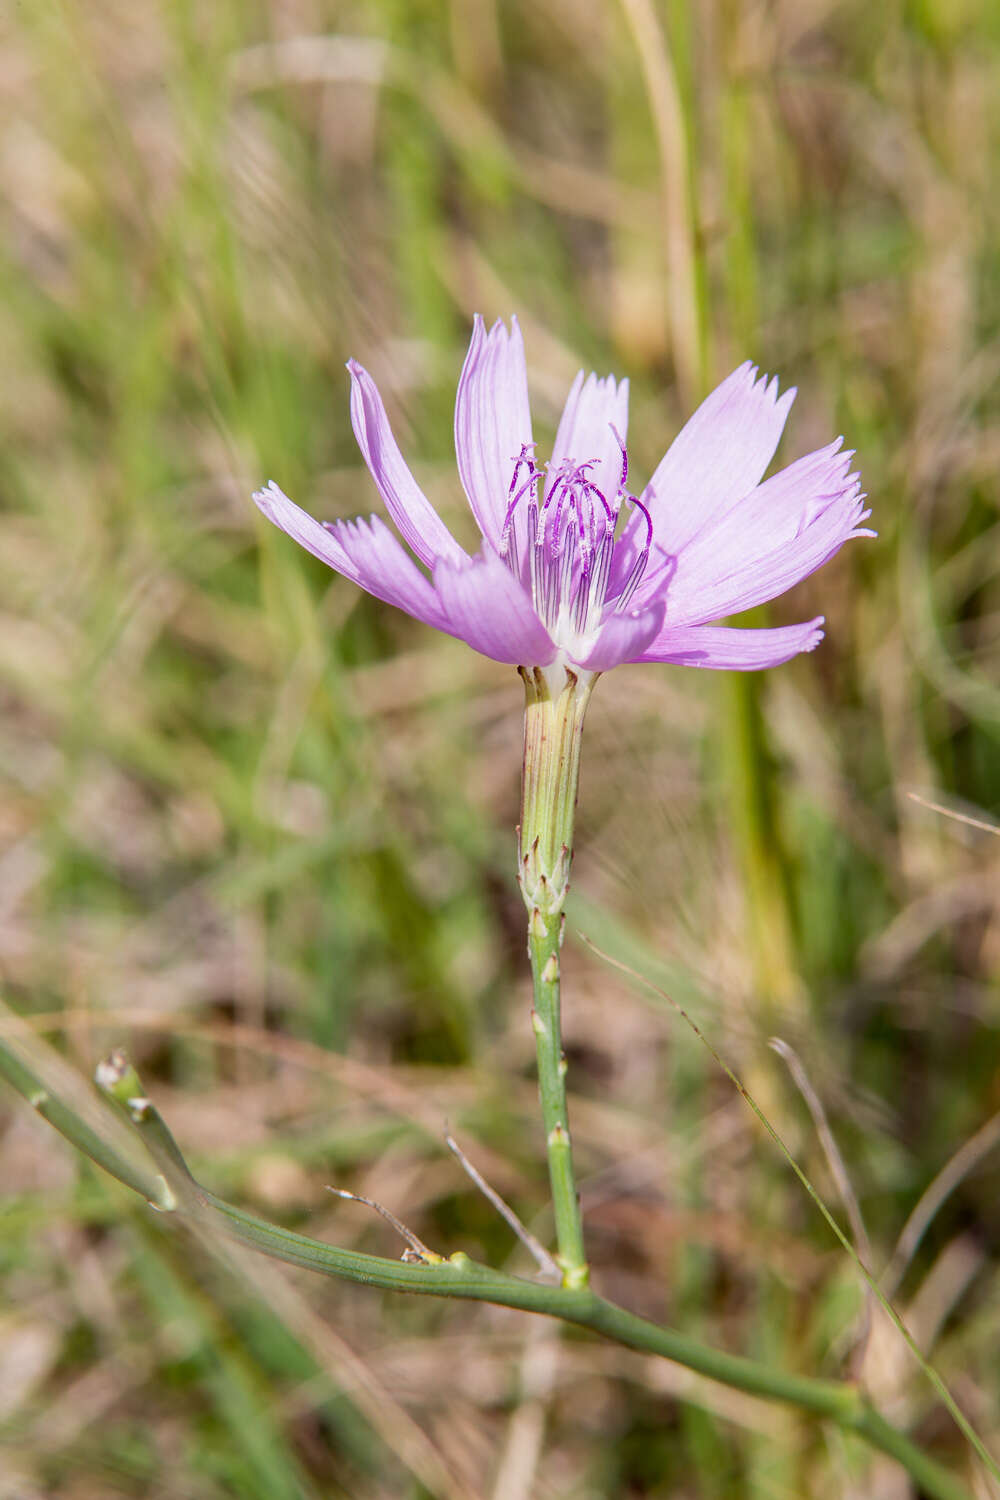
(775, 536)
(719, 455)
(269, 496)
(864, 516)
(593, 429)
(303, 528)
(749, 379)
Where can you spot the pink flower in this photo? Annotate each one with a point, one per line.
(563, 577)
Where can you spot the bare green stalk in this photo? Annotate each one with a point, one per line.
(553, 725)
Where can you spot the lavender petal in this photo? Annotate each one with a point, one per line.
(623, 638)
(486, 606)
(593, 409)
(718, 456)
(748, 564)
(418, 522)
(365, 552)
(726, 649)
(492, 423)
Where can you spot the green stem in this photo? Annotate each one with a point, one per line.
(553, 726)
(543, 948)
(458, 1276)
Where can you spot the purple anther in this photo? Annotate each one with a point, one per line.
(610, 515)
(526, 456)
(508, 520)
(553, 481)
(639, 566)
(524, 460)
(564, 494)
(649, 520)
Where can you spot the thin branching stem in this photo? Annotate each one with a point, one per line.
(458, 1276)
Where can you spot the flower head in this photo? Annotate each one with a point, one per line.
(574, 569)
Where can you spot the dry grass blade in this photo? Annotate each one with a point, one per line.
(838, 1170)
(531, 1242)
(964, 1161)
(672, 134)
(417, 1250)
(954, 814)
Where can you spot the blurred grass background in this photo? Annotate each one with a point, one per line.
(260, 827)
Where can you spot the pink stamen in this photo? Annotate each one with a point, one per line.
(572, 526)
(633, 500)
(609, 511)
(565, 491)
(639, 566)
(526, 456)
(508, 520)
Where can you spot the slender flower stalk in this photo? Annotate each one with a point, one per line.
(553, 730)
